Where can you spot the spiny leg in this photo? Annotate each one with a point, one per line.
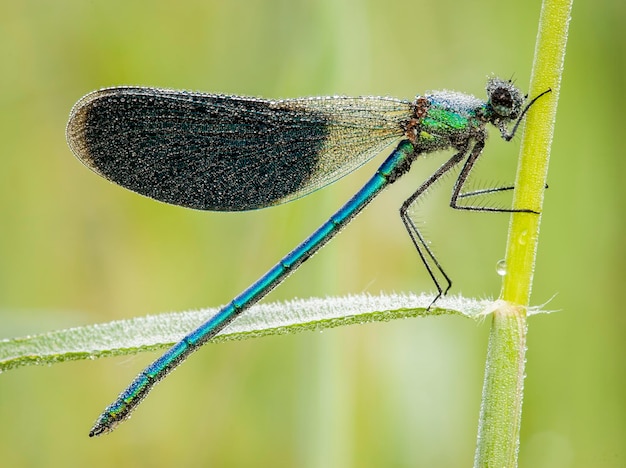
(462, 180)
(476, 193)
(420, 244)
(486, 191)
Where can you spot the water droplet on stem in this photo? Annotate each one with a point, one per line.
(501, 267)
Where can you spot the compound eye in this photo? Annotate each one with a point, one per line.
(502, 102)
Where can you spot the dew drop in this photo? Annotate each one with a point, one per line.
(501, 267)
(523, 238)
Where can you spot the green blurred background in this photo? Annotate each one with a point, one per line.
(75, 249)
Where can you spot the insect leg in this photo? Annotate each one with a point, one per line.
(426, 254)
(462, 179)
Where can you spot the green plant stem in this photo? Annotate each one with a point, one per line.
(501, 408)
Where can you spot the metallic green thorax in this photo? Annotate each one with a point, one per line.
(448, 117)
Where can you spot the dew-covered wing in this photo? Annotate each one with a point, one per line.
(228, 153)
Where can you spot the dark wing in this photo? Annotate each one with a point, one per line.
(228, 153)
